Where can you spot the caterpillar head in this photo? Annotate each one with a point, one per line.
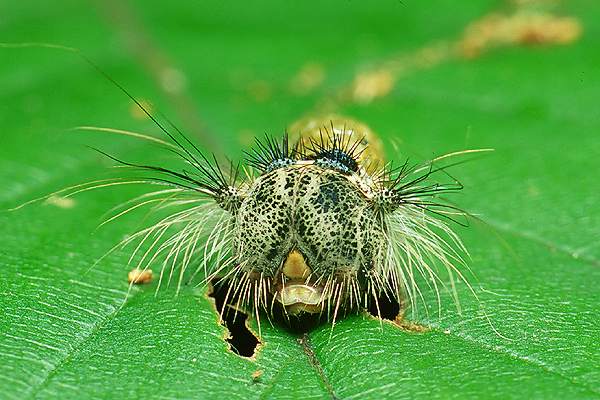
(310, 234)
(324, 229)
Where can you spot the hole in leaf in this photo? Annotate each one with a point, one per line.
(389, 308)
(241, 340)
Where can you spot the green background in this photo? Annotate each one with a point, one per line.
(64, 332)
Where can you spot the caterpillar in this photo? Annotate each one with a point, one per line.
(314, 223)
(327, 227)
(312, 226)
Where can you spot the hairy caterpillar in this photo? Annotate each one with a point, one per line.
(315, 223)
(328, 227)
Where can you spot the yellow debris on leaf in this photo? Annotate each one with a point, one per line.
(256, 375)
(521, 28)
(139, 276)
(60, 202)
(370, 85)
(310, 76)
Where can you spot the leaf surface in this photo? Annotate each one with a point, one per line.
(226, 73)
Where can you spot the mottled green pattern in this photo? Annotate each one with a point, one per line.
(63, 332)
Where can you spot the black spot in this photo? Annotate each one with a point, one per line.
(301, 228)
(328, 197)
(289, 182)
(242, 341)
(272, 254)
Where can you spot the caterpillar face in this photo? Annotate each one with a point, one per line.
(326, 227)
(306, 228)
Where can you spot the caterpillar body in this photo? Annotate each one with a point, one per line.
(316, 224)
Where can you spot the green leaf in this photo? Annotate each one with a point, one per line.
(66, 330)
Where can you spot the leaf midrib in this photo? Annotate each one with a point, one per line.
(97, 326)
